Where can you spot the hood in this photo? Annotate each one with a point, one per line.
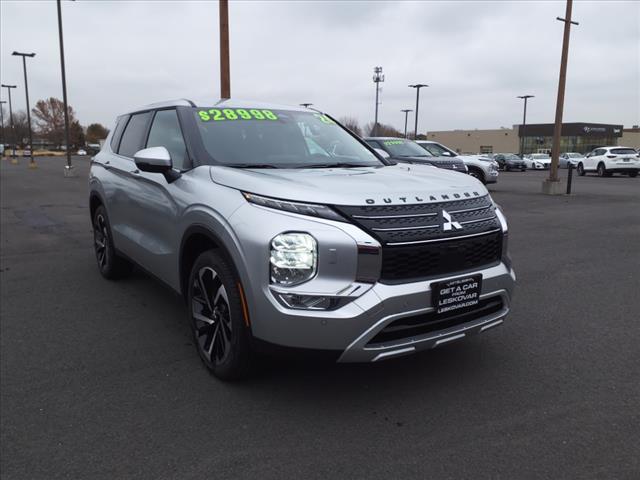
(541, 160)
(396, 184)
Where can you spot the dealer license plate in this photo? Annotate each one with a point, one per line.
(457, 293)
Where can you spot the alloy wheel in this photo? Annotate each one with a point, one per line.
(211, 315)
(101, 241)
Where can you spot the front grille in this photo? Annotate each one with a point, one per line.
(415, 244)
(431, 321)
(457, 165)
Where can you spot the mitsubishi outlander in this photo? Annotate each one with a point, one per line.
(280, 227)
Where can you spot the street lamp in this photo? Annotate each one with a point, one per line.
(306, 105)
(406, 115)
(32, 163)
(2, 122)
(417, 86)
(524, 123)
(11, 126)
(64, 92)
(377, 78)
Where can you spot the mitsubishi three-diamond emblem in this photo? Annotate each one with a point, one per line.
(447, 224)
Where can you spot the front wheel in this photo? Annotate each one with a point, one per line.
(475, 173)
(580, 169)
(601, 170)
(633, 174)
(220, 328)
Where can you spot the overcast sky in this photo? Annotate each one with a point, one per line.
(476, 56)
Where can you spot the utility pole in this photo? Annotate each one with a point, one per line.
(64, 93)
(552, 185)
(2, 122)
(524, 123)
(378, 77)
(32, 163)
(11, 126)
(417, 86)
(406, 115)
(225, 80)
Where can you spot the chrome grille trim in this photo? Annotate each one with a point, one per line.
(418, 242)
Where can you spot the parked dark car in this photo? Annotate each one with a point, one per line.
(408, 151)
(510, 161)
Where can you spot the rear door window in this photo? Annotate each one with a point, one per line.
(117, 133)
(134, 136)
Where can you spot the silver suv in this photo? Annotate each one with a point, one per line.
(279, 227)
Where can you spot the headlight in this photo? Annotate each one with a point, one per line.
(294, 258)
(310, 209)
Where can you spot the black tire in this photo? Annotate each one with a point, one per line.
(602, 171)
(476, 173)
(217, 319)
(580, 169)
(111, 265)
(633, 174)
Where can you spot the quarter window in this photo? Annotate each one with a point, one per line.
(117, 133)
(134, 135)
(165, 132)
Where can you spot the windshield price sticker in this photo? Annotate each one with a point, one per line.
(226, 114)
(393, 142)
(458, 293)
(324, 119)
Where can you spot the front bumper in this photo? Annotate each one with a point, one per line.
(351, 329)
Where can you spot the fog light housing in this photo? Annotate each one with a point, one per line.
(308, 302)
(294, 258)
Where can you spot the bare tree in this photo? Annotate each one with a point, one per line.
(96, 132)
(382, 130)
(352, 124)
(49, 118)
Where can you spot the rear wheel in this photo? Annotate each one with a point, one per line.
(581, 170)
(217, 318)
(602, 171)
(110, 264)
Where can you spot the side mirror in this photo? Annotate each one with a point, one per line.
(381, 152)
(153, 160)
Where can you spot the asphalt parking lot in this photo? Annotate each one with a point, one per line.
(100, 379)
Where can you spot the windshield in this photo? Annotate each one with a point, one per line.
(262, 138)
(512, 156)
(540, 156)
(574, 155)
(437, 150)
(404, 148)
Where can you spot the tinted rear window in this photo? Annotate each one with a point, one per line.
(133, 138)
(623, 151)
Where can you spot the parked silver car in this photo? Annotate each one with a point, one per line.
(280, 227)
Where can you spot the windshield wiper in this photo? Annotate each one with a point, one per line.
(252, 165)
(335, 165)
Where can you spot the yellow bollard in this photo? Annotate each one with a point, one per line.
(33, 164)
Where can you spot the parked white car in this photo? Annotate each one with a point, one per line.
(483, 168)
(81, 152)
(538, 161)
(609, 160)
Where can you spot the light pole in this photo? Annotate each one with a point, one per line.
(64, 92)
(378, 77)
(553, 181)
(417, 86)
(2, 122)
(32, 163)
(306, 105)
(524, 123)
(225, 75)
(11, 126)
(406, 115)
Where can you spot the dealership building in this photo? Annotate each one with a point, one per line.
(538, 138)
